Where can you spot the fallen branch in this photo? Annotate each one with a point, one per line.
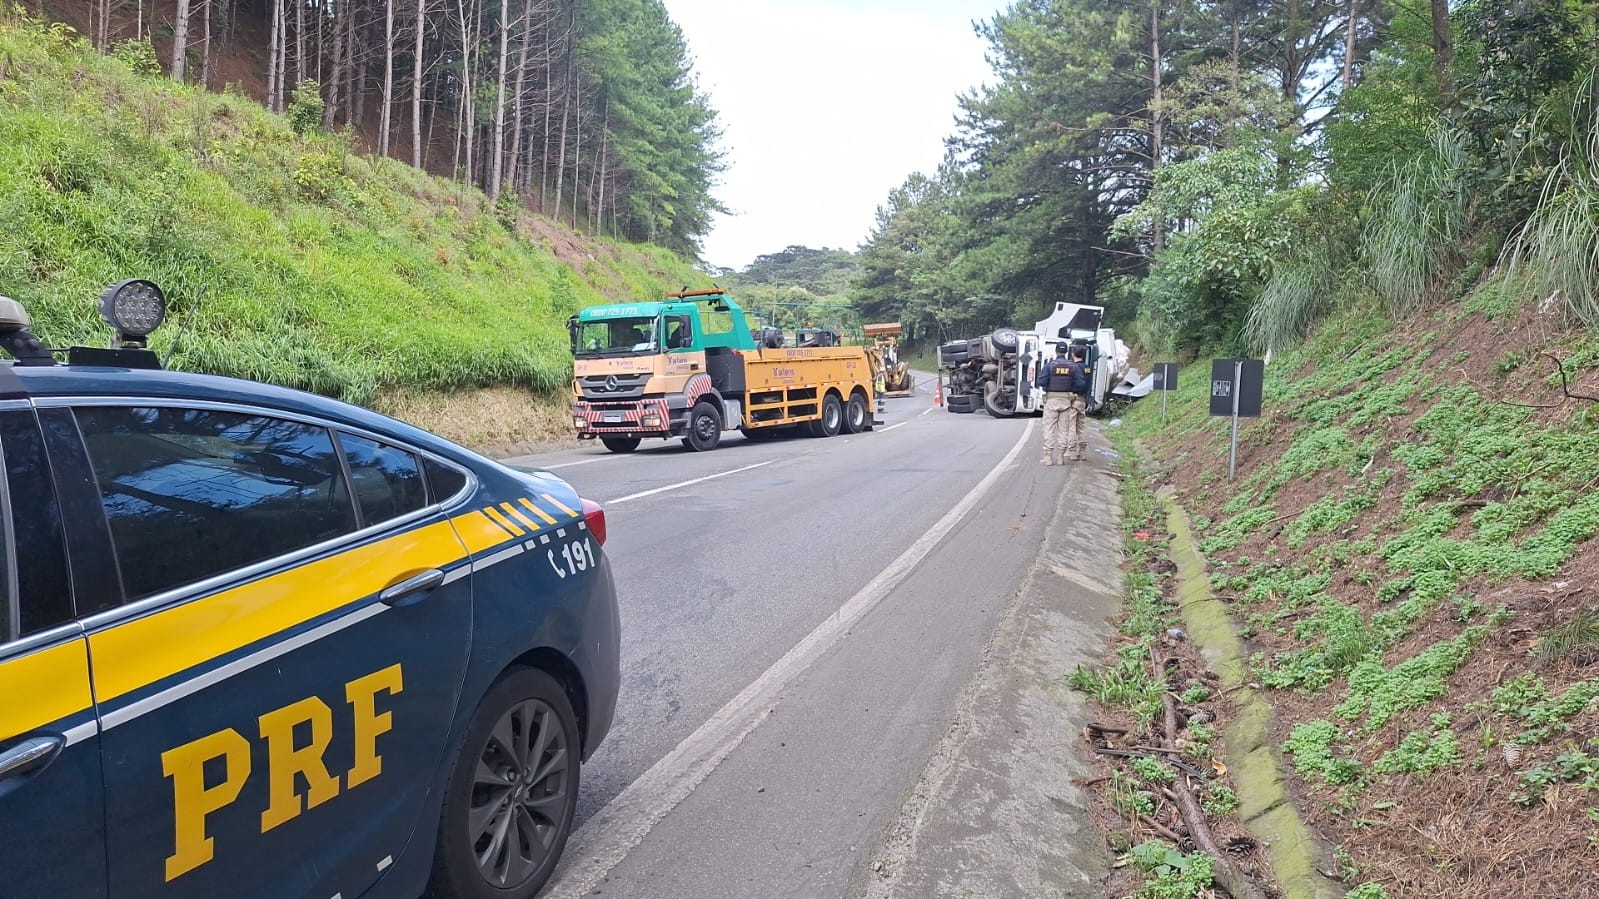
(1565, 386)
(1161, 829)
(1235, 882)
(1179, 764)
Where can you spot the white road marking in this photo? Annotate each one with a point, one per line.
(605, 839)
(892, 427)
(681, 484)
(928, 409)
(573, 464)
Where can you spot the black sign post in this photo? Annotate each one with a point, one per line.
(1235, 390)
(1165, 382)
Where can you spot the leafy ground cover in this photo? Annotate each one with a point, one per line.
(320, 268)
(1408, 551)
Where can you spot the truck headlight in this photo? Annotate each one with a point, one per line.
(650, 421)
(578, 422)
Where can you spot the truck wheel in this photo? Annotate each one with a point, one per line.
(856, 418)
(704, 428)
(509, 801)
(620, 444)
(994, 409)
(1005, 338)
(832, 420)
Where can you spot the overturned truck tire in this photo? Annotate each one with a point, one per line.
(961, 403)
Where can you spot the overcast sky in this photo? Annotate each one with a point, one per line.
(827, 105)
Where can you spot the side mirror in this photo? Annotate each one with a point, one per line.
(685, 332)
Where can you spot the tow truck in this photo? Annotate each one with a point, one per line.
(690, 366)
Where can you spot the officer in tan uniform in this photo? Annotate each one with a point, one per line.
(1073, 444)
(1065, 384)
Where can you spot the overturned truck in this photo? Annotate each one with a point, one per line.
(997, 372)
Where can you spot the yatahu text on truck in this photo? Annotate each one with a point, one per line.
(690, 367)
(998, 372)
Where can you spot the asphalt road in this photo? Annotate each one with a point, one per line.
(800, 617)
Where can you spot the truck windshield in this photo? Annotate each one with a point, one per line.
(616, 337)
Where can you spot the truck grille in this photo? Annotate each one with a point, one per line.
(613, 387)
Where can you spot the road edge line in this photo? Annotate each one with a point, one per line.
(621, 824)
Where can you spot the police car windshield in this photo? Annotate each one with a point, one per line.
(616, 337)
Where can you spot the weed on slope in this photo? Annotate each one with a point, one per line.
(1408, 552)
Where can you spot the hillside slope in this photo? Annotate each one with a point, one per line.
(1408, 551)
(322, 269)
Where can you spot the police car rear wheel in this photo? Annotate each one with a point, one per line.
(510, 799)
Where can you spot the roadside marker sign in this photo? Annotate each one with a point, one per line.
(1235, 391)
(1165, 382)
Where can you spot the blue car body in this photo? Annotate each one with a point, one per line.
(284, 726)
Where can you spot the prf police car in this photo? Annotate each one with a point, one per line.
(259, 643)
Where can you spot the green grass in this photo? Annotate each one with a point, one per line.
(321, 269)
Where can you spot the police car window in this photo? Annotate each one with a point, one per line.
(44, 595)
(387, 482)
(443, 481)
(193, 493)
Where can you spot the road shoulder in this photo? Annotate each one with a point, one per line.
(995, 812)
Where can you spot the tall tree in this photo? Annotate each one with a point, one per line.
(497, 166)
(205, 43)
(416, 85)
(388, 78)
(180, 40)
(1443, 54)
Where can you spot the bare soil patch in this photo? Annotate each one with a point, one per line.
(496, 421)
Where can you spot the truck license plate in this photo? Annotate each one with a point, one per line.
(613, 417)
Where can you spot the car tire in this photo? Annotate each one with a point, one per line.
(620, 444)
(857, 417)
(832, 419)
(704, 428)
(524, 702)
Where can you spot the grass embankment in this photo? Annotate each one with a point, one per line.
(356, 277)
(1408, 553)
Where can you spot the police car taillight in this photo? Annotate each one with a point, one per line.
(594, 517)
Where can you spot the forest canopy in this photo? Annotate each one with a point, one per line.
(588, 111)
(1221, 174)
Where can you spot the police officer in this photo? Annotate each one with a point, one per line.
(1055, 377)
(1072, 445)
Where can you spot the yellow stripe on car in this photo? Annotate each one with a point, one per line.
(557, 504)
(536, 510)
(515, 513)
(43, 686)
(499, 519)
(193, 633)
